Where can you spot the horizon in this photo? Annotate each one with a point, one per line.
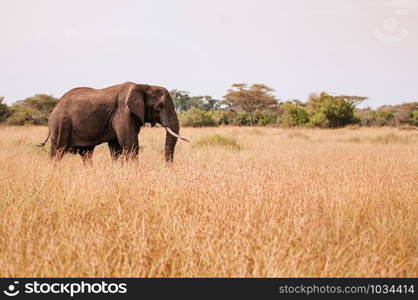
(365, 48)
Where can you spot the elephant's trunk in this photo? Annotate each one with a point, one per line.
(170, 140)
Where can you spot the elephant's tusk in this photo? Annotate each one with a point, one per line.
(176, 135)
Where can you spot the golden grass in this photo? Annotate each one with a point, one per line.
(290, 203)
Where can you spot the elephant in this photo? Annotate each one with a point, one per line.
(85, 117)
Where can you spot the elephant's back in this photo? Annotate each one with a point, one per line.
(86, 98)
(84, 103)
(88, 94)
(87, 102)
(80, 93)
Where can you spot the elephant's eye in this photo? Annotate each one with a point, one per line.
(159, 106)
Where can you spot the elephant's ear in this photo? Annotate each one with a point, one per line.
(135, 100)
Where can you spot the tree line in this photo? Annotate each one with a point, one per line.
(245, 105)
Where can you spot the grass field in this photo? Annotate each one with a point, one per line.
(262, 202)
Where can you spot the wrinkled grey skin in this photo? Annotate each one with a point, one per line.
(86, 117)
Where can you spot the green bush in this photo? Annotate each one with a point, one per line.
(195, 117)
(318, 120)
(383, 117)
(267, 119)
(370, 117)
(219, 140)
(413, 118)
(389, 115)
(264, 118)
(293, 115)
(220, 117)
(34, 110)
(4, 110)
(332, 112)
(21, 115)
(240, 118)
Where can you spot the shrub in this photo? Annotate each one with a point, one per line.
(220, 117)
(332, 112)
(391, 115)
(293, 115)
(21, 115)
(219, 140)
(383, 117)
(318, 120)
(4, 110)
(368, 117)
(195, 117)
(413, 118)
(33, 110)
(240, 118)
(265, 118)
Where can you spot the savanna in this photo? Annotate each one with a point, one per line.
(236, 202)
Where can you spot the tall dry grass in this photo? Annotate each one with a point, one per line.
(286, 203)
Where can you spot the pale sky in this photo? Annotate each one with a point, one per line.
(355, 47)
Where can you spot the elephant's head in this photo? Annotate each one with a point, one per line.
(153, 104)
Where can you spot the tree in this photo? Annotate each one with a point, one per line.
(315, 100)
(298, 102)
(249, 98)
(4, 110)
(181, 100)
(205, 103)
(332, 111)
(353, 100)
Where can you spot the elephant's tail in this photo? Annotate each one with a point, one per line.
(47, 138)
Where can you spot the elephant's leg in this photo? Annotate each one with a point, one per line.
(128, 142)
(60, 139)
(52, 151)
(86, 153)
(131, 151)
(115, 149)
(127, 127)
(56, 152)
